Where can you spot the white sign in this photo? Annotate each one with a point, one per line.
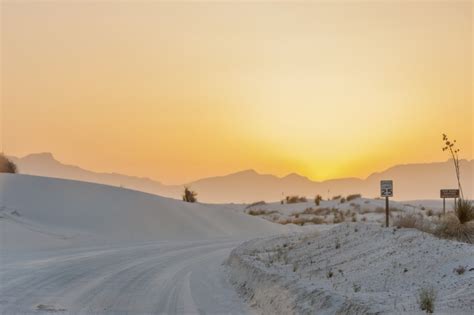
(386, 188)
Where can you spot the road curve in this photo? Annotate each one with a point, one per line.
(153, 278)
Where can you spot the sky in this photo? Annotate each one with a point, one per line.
(180, 91)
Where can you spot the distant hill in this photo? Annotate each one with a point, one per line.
(411, 181)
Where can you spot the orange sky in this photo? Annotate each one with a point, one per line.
(177, 92)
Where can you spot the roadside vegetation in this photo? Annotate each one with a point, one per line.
(7, 166)
(295, 199)
(189, 195)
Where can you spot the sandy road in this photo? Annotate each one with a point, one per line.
(153, 278)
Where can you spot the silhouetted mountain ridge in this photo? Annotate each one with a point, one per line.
(411, 181)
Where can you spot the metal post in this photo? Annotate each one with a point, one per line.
(444, 205)
(386, 211)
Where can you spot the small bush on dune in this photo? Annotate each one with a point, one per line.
(343, 200)
(318, 199)
(426, 299)
(261, 212)
(302, 221)
(450, 227)
(189, 195)
(320, 211)
(336, 197)
(295, 199)
(464, 211)
(407, 221)
(460, 270)
(353, 196)
(7, 166)
(339, 217)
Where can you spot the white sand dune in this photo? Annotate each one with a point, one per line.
(76, 212)
(354, 268)
(78, 247)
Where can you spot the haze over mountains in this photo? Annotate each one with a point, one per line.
(411, 181)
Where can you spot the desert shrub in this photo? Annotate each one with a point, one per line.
(7, 166)
(363, 219)
(343, 200)
(408, 221)
(189, 195)
(460, 270)
(430, 213)
(317, 220)
(339, 217)
(336, 197)
(426, 299)
(295, 199)
(353, 196)
(354, 218)
(303, 221)
(320, 211)
(260, 212)
(450, 227)
(298, 221)
(356, 287)
(464, 210)
(318, 199)
(256, 204)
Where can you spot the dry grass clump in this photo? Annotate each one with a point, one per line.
(460, 270)
(320, 211)
(189, 195)
(261, 212)
(450, 227)
(317, 200)
(303, 221)
(295, 199)
(426, 299)
(408, 221)
(353, 196)
(256, 204)
(7, 166)
(339, 217)
(464, 211)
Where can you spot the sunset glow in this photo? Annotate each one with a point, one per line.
(178, 92)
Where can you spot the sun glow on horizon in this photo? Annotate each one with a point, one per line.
(181, 91)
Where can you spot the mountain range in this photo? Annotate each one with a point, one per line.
(411, 181)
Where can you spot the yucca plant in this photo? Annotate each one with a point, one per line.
(450, 146)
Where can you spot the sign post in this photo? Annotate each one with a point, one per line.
(449, 193)
(386, 190)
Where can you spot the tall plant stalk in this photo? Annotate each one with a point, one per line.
(453, 150)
